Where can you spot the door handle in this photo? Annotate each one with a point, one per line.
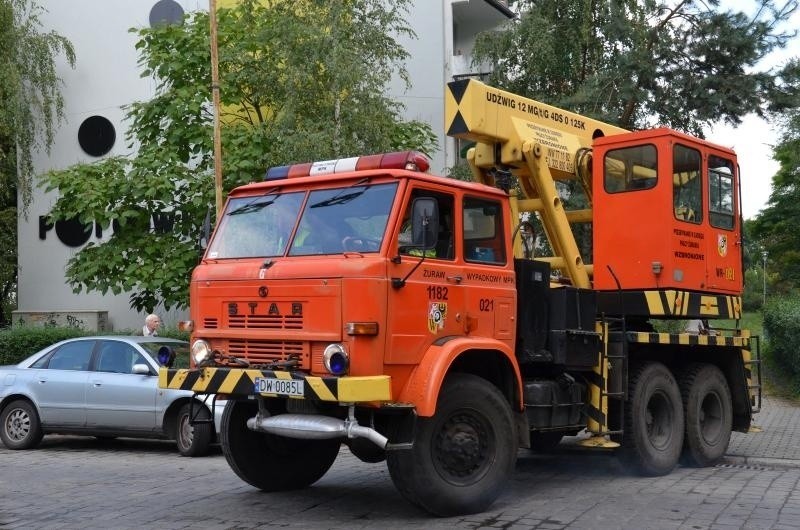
(455, 279)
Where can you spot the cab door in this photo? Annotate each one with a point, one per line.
(430, 303)
(723, 263)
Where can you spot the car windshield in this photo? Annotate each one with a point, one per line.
(346, 219)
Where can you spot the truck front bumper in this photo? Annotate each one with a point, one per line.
(242, 382)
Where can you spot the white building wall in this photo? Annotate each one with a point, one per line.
(106, 78)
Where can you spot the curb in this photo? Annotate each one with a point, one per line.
(759, 461)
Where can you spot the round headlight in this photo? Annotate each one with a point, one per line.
(335, 359)
(201, 352)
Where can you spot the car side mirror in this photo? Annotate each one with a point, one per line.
(141, 369)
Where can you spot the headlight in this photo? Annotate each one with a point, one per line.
(336, 359)
(201, 352)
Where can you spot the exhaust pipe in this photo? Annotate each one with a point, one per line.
(315, 427)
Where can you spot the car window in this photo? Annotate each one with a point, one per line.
(117, 357)
(72, 356)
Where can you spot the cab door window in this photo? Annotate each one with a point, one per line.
(720, 192)
(444, 248)
(687, 195)
(484, 240)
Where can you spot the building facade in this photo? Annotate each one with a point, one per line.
(106, 78)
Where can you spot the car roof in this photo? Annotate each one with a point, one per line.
(138, 339)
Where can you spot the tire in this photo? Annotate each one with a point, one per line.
(270, 462)
(708, 412)
(20, 427)
(193, 440)
(653, 436)
(545, 442)
(464, 455)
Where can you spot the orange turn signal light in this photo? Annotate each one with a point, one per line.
(361, 328)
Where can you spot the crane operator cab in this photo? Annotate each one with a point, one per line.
(666, 214)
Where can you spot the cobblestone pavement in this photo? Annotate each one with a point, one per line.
(84, 483)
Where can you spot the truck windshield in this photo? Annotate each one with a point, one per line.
(334, 221)
(344, 220)
(256, 227)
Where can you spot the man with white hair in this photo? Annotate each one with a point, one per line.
(151, 324)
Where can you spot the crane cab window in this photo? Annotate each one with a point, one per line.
(687, 195)
(631, 168)
(720, 192)
(483, 232)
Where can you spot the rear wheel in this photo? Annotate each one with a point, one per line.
(20, 427)
(464, 455)
(270, 462)
(708, 412)
(653, 436)
(194, 440)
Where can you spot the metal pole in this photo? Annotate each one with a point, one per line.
(764, 257)
(212, 15)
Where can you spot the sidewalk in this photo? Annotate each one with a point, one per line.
(779, 442)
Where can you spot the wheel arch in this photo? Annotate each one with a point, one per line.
(489, 359)
(169, 422)
(20, 397)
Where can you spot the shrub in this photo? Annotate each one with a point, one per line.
(782, 331)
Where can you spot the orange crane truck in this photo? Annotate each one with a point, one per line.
(365, 302)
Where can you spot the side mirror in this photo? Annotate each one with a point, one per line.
(424, 222)
(205, 232)
(141, 369)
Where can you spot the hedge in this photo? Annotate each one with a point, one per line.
(782, 331)
(16, 344)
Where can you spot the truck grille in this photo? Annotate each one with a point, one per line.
(265, 321)
(270, 351)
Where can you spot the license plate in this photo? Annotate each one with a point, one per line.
(283, 387)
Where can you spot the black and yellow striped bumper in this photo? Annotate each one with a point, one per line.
(241, 381)
(688, 339)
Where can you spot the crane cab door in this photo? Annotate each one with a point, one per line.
(724, 243)
(430, 303)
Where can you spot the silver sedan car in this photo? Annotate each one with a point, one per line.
(104, 387)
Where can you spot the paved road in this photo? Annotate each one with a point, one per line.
(82, 483)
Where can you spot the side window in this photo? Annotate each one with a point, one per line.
(687, 195)
(630, 169)
(484, 240)
(720, 192)
(444, 242)
(72, 356)
(117, 357)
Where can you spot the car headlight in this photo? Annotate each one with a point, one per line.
(336, 359)
(201, 352)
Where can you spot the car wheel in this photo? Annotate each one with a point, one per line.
(270, 462)
(21, 428)
(193, 440)
(464, 455)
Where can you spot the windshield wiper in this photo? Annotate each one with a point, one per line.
(256, 204)
(342, 197)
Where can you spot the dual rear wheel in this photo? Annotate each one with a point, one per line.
(668, 420)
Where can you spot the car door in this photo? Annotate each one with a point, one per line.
(116, 398)
(59, 388)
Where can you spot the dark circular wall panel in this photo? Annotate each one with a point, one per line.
(96, 135)
(166, 12)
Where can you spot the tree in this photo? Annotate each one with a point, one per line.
(31, 106)
(682, 63)
(775, 228)
(300, 80)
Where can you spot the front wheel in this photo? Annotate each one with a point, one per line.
(709, 414)
(194, 440)
(270, 462)
(464, 455)
(20, 427)
(653, 436)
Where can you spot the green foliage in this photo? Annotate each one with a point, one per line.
(782, 330)
(300, 80)
(637, 64)
(31, 104)
(18, 343)
(775, 228)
